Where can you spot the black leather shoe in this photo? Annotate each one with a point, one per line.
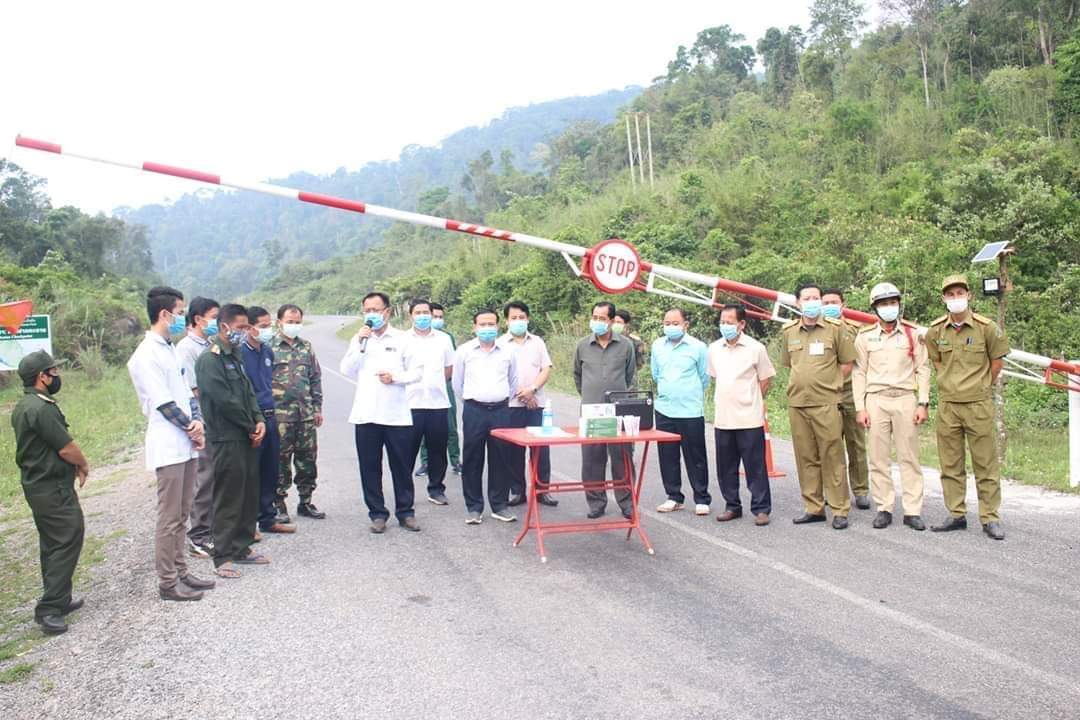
(628, 514)
(52, 624)
(197, 583)
(308, 509)
(808, 518)
(914, 522)
(282, 515)
(516, 500)
(593, 514)
(953, 523)
(993, 529)
(409, 523)
(862, 502)
(839, 522)
(545, 499)
(882, 520)
(75, 605)
(179, 594)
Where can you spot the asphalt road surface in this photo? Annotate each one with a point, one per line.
(725, 621)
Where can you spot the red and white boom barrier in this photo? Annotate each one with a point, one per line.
(613, 266)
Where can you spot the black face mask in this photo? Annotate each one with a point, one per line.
(54, 384)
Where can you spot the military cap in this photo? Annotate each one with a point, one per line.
(951, 280)
(36, 362)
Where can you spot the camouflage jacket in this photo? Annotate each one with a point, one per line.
(298, 391)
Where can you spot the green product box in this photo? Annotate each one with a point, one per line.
(602, 427)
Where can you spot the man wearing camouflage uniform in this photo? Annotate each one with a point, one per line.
(298, 400)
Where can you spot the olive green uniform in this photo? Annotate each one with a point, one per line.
(962, 356)
(228, 403)
(48, 482)
(857, 471)
(815, 353)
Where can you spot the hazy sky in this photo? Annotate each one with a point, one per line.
(259, 90)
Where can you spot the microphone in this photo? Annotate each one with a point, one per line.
(363, 340)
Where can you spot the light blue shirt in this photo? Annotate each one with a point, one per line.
(681, 372)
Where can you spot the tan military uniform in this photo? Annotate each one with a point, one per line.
(962, 356)
(856, 472)
(891, 367)
(815, 353)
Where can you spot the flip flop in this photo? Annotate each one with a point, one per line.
(253, 558)
(226, 570)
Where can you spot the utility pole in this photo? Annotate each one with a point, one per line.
(648, 135)
(630, 152)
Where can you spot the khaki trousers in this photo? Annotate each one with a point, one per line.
(175, 488)
(973, 423)
(892, 425)
(817, 433)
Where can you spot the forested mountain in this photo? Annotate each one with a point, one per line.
(861, 155)
(244, 238)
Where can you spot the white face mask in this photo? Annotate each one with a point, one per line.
(291, 330)
(957, 305)
(889, 313)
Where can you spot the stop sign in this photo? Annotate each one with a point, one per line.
(615, 266)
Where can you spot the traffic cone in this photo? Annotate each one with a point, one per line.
(769, 467)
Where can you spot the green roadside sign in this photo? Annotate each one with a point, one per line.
(35, 334)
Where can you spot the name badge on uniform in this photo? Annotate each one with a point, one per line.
(817, 348)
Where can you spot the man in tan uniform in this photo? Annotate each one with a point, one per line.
(967, 350)
(891, 366)
(819, 352)
(855, 471)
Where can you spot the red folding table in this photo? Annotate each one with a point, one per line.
(526, 439)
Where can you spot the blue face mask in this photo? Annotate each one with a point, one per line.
(438, 323)
(211, 328)
(177, 324)
(729, 332)
(487, 334)
(266, 335)
(888, 313)
(518, 327)
(422, 322)
(673, 332)
(374, 319)
(598, 327)
(832, 311)
(811, 308)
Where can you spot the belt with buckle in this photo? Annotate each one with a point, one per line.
(894, 392)
(488, 405)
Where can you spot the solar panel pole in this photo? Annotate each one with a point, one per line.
(999, 384)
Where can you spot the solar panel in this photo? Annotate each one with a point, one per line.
(990, 251)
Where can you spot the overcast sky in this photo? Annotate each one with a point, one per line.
(263, 89)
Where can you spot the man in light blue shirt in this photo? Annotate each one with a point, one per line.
(680, 367)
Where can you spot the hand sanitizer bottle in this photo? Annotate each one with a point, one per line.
(547, 421)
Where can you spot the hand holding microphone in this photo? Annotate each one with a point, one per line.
(364, 333)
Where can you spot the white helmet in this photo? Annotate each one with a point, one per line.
(883, 291)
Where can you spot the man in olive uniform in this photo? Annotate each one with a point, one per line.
(967, 350)
(820, 353)
(856, 471)
(891, 369)
(49, 462)
(298, 398)
(235, 426)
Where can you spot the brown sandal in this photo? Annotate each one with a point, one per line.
(226, 570)
(253, 558)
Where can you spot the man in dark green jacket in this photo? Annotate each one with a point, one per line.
(235, 427)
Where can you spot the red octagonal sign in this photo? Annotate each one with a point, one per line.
(614, 266)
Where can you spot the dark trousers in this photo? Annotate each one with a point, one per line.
(478, 421)
(60, 527)
(594, 461)
(236, 499)
(748, 446)
(432, 428)
(269, 454)
(371, 438)
(692, 447)
(524, 417)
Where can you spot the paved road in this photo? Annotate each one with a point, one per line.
(725, 621)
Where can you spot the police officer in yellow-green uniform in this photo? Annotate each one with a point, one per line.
(820, 353)
(967, 350)
(49, 463)
(857, 470)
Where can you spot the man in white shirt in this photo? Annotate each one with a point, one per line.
(527, 401)
(428, 400)
(174, 435)
(743, 372)
(484, 378)
(379, 360)
(202, 321)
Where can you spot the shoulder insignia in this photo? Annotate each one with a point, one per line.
(831, 321)
(940, 320)
(216, 349)
(791, 323)
(909, 324)
(867, 328)
(981, 319)
(46, 398)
